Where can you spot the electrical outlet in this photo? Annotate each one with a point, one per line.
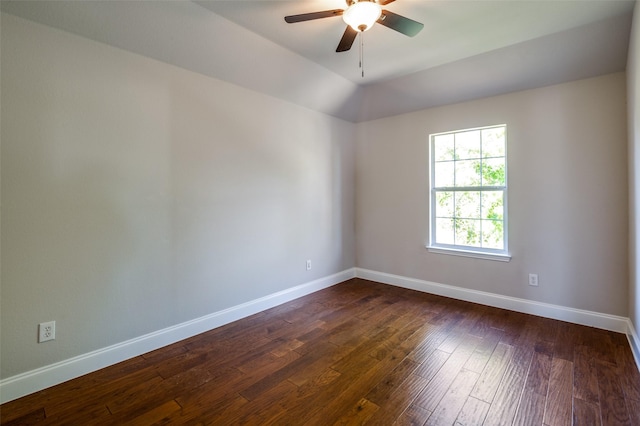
(46, 331)
(309, 265)
(533, 280)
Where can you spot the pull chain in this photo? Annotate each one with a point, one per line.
(362, 52)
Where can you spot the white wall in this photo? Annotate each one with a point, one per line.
(137, 195)
(568, 203)
(633, 102)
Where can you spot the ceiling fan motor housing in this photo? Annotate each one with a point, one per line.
(362, 14)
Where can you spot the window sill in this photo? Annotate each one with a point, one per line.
(470, 253)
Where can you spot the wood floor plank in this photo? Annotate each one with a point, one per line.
(284, 372)
(432, 364)
(634, 411)
(265, 408)
(586, 413)
(585, 379)
(473, 412)
(392, 381)
(629, 376)
(549, 329)
(165, 353)
(600, 345)
(405, 340)
(312, 388)
(491, 376)
(31, 418)
(530, 409)
(532, 402)
(347, 390)
(94, 414)
(203, 415)
(613, 406)
(215, 395)
(433, 337)
(359, 414)
(452, 402)
(319, 366)
(513, 327)
(559, 398)
(483, 352)
(413, 416)
(441, 382)
(309, 396)
(361, 353)
(565, 342)
(539, 373)
(505, 402)
(218, 394)
(411, 311)
(155, 415)
(133, 395)
(352, 360)
(91, 402)
(314, 402)
(395, 403)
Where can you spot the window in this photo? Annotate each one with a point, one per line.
(469, 192)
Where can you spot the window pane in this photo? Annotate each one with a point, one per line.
(492, 205)
(468, 205)
(493, 142)
(493, 234)
(467, 173)
(444, 204)
(444, 174)
(443, 147)
(468, 145)
(493, 172)
(467, 212)
(444, 231)
(468, 232)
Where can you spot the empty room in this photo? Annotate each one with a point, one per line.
(320, 212)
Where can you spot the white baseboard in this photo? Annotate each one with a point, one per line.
(32, 381)
(563, 313)
(634, 342)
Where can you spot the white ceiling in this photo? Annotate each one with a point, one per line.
(467, 49)
(454, 30)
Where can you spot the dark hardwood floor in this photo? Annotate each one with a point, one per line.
(362, 353)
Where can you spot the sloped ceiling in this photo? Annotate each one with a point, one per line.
(467, 50)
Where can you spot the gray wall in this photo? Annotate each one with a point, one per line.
(137, 195)
(633, 102)
(568, 202)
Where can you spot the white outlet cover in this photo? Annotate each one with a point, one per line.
(46, 331)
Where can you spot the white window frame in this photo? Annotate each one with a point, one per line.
(460, 250)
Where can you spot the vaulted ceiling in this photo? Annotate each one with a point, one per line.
(467, 49)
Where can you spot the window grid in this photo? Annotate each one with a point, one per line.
(481, 239)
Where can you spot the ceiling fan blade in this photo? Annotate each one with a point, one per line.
(313, 15)
(347, 39)
(383, 2)
(399, 23)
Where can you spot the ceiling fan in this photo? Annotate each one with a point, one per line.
(360, 15)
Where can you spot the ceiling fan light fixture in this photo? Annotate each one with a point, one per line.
(362, 14)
